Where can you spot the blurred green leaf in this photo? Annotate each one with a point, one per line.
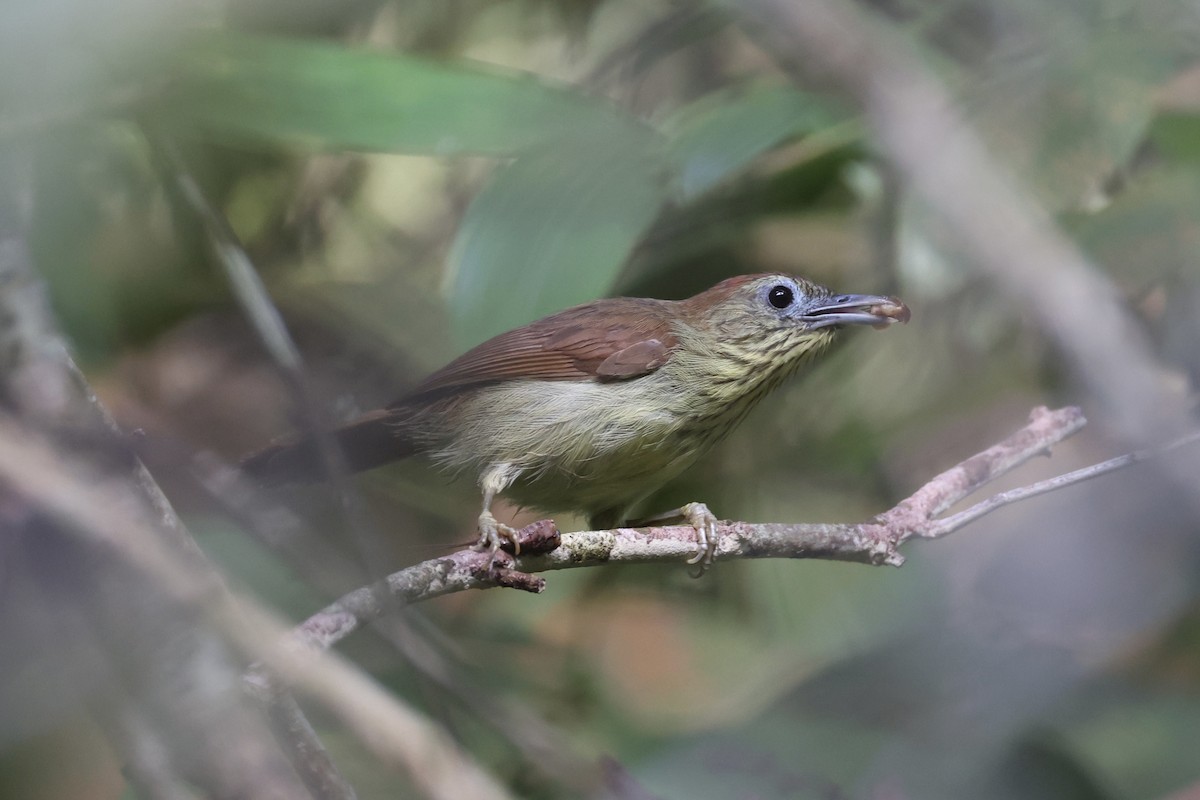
(1040, 767)
(781, 754)
(551, 230)
(116, 272)
(1177, 135)
(719, 135)
(247, 561)
(1150, 231)
(67, 219)
(1071, 115)
(320, 95)
(692, 246)
(1142, 743)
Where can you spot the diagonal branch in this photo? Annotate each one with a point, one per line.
(953, 523)
(876, 541)
(917, 126)
(91, 505)
(163, 686)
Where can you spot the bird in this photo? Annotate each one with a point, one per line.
(593, 408)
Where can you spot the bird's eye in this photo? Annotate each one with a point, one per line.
(781, 296)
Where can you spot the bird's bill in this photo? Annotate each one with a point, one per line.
(855, 309)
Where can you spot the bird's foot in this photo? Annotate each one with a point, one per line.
(704, 521)
(493, 534)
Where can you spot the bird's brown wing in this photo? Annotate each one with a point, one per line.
(615, 339)
(607, 340)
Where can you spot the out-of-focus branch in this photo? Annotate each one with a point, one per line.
(33, 356)
(147, 759)
(293, 731)
(872, 542)
(173, 677)
(544, 747)
(1002, 228)
(303, 747)
(264, 317)
(88, 505)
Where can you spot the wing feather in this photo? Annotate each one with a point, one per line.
(614, 339)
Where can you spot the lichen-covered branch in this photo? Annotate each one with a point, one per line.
(876, 541)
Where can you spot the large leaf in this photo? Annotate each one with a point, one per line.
(1176, 132)
(321, 95)
(550, 230)
(722, 133)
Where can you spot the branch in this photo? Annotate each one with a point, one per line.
(994, 502)
(267, 322)
(304, 749)
(147, 765)
(182, 718)
(92, 506)
(293, 732)
(543, 548)
(1007, 234)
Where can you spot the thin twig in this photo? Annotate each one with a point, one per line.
(953, 523)
(268, 324)
(304, 750)
(294, 733)
(148, 765)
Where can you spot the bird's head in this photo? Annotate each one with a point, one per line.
(777, 318)
(774, 301)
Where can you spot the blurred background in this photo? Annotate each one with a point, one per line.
(410, 178)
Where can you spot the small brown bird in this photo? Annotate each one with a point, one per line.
(593, 408)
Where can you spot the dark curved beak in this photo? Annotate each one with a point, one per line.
(855, 309)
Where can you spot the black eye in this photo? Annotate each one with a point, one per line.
(780, 296)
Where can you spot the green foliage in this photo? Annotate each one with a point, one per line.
(1149, 233)
(587, 179)
(418, 179)
(325, 96)
(723, 132)
(551, 230)
(1177, 135)
(1138, 740)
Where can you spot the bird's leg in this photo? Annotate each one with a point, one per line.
(492, 532)
(699, 517)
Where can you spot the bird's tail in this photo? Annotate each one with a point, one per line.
(372, 440)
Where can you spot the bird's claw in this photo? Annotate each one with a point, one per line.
(705, 523)
(493, 534)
